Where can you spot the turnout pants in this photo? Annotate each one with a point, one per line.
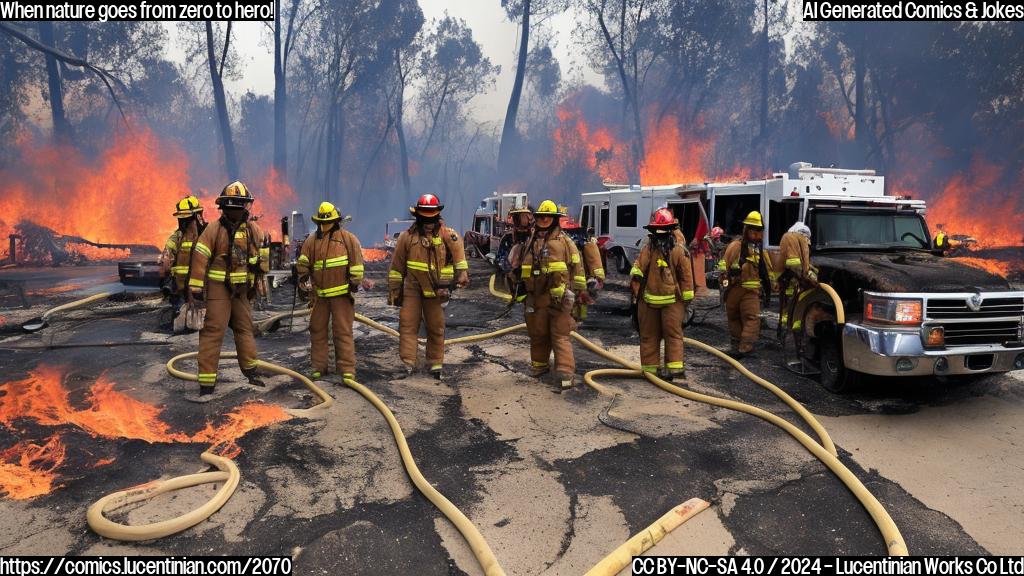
(224, 310)
(657, 324)
(339, 312)
(743, 309)
(549, 329)
(416, 308)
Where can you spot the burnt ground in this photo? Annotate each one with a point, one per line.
(553, 481)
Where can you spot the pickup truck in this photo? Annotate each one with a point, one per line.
(910, 311)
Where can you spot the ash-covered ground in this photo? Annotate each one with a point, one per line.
(553, 480)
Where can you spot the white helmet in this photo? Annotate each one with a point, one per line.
(801, 228)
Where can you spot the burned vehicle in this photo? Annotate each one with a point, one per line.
(909, 311)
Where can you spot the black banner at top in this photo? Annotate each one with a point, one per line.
(908, 10)
(132, 10)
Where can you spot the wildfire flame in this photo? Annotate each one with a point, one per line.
(374, 255)
(28, 469)
(979, 203)
(672, 155)
(125, 195)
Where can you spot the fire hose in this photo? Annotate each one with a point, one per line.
(824, 452)
(38, 323)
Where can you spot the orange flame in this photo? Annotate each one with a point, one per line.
(28, 470)
(672, 155)
(125, 195)
(979, 203)
(108, 413)
(374, 255)
(999, 267)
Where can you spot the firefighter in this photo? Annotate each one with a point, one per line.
(230, 257)
(177, 255)
(428, 256)
(552, 274)
(593, 267)
(331, 263)
(797, 272)
(748, 268)
(941, 242)
(510, 250)
(662, 286)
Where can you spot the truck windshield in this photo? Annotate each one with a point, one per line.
(869, 230)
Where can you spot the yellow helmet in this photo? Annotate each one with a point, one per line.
(326, 213)
(754, 219)
(547, 208)
(188, 207)
(235, 195)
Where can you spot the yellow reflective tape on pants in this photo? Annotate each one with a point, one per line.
(687, 294)
(336, 291)
(179, 270)
(303, 259)
(429, 293)
(240, 277)
(675, 365)
(792, 262)
(217, 275)
(187, 245)
(418, 266)
(208, 378)
(536, 364)
(357, 269)
(196, 282)
(797, 324)
(556, 267)
(751, 284)
(203, 249)
(395, 275)
(636, 272)
(462, 265)
(650, 368)
(599, 273)
(170, 245)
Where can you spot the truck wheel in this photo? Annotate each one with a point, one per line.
(835, 376)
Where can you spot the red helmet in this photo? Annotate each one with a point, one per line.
(662, 220)
(428, 205)
(567, 223)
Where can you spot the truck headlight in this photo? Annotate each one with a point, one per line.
(902, 311)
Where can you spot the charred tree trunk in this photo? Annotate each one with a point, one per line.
(859, 107)
(55, 86)
(223, 122)
(403, 149)
(509, 146)
(280, 99)
(764, 78)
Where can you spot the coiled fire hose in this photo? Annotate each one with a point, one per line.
(479, 546)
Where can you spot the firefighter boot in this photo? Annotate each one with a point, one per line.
(566, 380)
(254, 378)
(436, 371)
(204, 395)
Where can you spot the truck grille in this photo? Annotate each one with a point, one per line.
(949, 309)
(988, 325)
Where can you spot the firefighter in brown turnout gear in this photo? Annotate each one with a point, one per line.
(662, 286)
(428, 258)
(593, 267)
(797, 275)
(331, 262)
(553, 274)
(748, 269)
(231, 255)
(177, 255)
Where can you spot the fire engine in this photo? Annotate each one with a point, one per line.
(489, 222)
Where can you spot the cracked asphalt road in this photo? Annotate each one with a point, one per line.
(553, 481)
